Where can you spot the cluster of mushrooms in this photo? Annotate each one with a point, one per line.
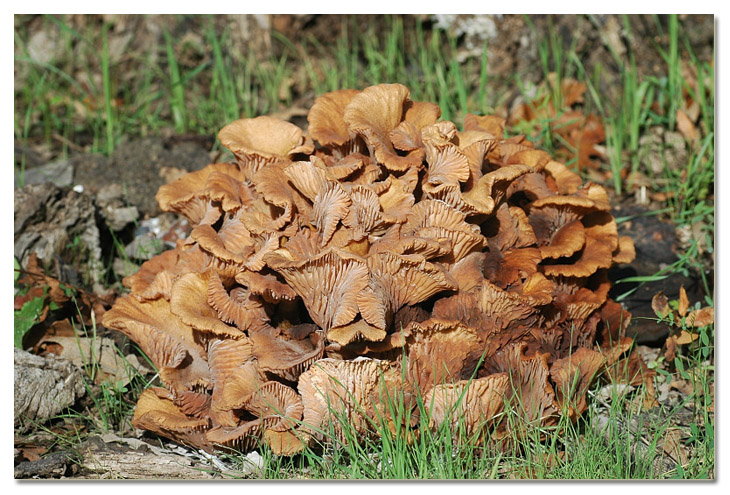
(397, 257)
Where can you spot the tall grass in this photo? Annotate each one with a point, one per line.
(600, 445)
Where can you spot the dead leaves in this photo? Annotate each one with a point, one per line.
(701, 317)
(99, 355)
(579, 136)
(685, 126)
(683, 322)
(60, 305)
(62, 313)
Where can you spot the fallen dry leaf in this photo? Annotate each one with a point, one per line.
(30, 452)
(701, 317)
(671, 443)
(683, 302)
(671, 351)
(660, 304)
(683, 386)
(685, 337)
(84, 351)
(685, 126)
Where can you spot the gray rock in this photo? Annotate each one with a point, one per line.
(118, 218)
(112, 206)
(60, 172)
(144, 247)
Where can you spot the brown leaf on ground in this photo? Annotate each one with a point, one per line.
(660, 304)
(28, 452)
(685, 126)
(61, 299)
(671, 444)
(685, 387)
(701, 317)
(685, 337)
(101, 354)
(671, 351)
(683, 302)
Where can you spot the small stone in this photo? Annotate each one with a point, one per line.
(118, 218)
(109, 193)
(144, 247)
(59, 173)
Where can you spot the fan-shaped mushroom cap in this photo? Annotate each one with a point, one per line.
(468, 272)
(601, 240)
(189, 302)
(170, 343)
(357, 391)
(239, 307)
(256, 142)
(326, 122)
(195, 404)
(373, 114)
(156, 412)
(433, 219)
(398, 280)
(331, 205)
(287, 352)
(470, 404)
(565, 241)
(535, 159)
(625, 252)
(241, 438)
(307, 178)
(356, 331)
(446, 165)
(531, 393)
(266, 285)
(153, 279)
(491, 188)
(200, 195)
(572, 377)
(440, 352)
(328, 284)
(513, 229)
(487, 123)
(225, 359)
(276, 400)
(566, 181)
(364, 213)
(578, 300)
(590, 197)
(234, 249)
(396, 201)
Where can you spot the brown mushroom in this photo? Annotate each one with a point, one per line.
(263, 140)
(420, 259)
(473, 405)
(156, 412)
(373, 114)
(355, 391)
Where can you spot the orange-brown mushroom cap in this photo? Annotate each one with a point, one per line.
(373, 114)
(261, 140)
